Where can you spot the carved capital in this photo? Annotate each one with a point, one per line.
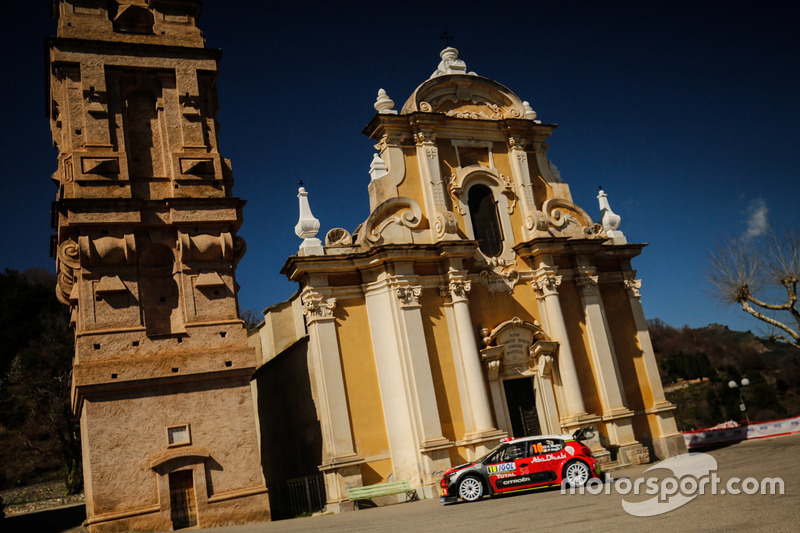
(459, 289)
(444, 292)
(409, 295)
(587, 279)
(517, 143)
(546, 284)
(425, 137)
(389, 140)
(493, 369)
(317, 307)
(542, 356)
(632, 285)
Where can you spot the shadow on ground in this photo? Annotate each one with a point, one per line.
(56, 520)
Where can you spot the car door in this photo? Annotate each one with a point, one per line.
(510, 470)
(546, 460)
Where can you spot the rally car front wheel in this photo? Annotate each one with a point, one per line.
(470, 489)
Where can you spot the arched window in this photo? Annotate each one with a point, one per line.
(485, 222)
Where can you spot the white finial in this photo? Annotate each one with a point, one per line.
(378, 168)
(384, 105)
(307, 227)
(530, 114)
(450, 64)
(609, 219)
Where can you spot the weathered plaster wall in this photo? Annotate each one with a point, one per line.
(121, 452)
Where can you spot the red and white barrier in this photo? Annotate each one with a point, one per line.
(730, 432)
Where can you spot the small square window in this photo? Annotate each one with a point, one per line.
(179, 435)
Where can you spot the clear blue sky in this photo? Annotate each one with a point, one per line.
(686, 113)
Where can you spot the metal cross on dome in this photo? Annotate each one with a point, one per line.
(446, 37)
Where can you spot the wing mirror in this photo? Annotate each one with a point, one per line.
(582, 434)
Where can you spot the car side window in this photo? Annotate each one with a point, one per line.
(515, 451)
(547, 446)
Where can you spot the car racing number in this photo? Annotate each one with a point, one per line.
(501, 468)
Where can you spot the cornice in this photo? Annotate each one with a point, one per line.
(296, 266)
(447, 127)
(565, 246)
(94, 47)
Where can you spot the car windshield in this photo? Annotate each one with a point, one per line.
(491, 453)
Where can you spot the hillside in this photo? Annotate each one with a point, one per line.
(687, 355)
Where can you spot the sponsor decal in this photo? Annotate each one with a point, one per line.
(502, 467)
(570, 450)
(514, 482)
(504, 476)
(549, 457)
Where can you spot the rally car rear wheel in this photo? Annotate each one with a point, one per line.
(470, 489)
(576, 473)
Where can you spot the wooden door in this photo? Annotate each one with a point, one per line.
(181, 499)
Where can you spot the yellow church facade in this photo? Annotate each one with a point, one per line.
(477, 301)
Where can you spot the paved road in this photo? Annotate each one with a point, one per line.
(759, 459)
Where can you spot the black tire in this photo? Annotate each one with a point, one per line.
(470, 489)
(576, 473)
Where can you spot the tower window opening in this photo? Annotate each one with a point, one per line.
(485, 221)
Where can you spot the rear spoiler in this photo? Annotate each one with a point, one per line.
(584, 433)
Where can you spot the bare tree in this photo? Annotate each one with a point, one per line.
(758, 273)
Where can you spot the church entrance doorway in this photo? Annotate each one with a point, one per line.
(181, 499)
(521, 403)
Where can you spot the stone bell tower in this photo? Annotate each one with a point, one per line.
(146, 251)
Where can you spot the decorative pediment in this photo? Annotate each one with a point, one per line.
(465, 96)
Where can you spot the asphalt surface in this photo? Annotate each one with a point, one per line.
(550, 510)
(542, 511)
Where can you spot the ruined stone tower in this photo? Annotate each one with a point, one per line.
(146, 250)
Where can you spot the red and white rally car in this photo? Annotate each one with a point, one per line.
(523, 464)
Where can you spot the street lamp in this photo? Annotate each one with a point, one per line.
(745, 382)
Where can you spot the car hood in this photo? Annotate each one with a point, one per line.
(457, 468)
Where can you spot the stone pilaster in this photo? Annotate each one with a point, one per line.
(667, 440)
(518, 158)
(406, 384)
(433, 186)
(616, 415)
(338, 452)
(432, 445)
